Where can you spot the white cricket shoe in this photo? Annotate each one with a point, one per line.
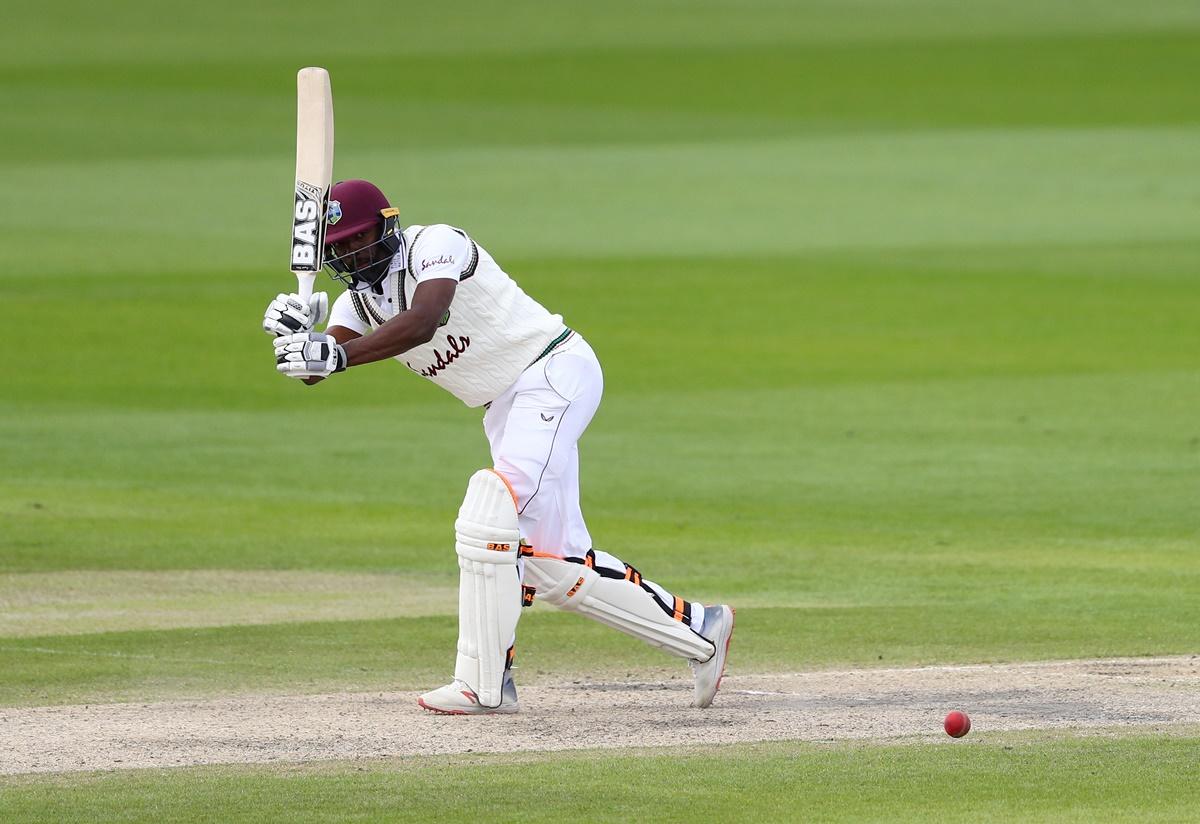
(456, 698)
(718, 629)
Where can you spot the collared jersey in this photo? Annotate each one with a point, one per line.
(492, 331)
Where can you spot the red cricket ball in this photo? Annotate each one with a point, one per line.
(957, 724)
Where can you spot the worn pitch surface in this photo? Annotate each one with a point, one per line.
(815, 706)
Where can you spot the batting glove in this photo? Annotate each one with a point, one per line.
(287, 314)
(309, 355)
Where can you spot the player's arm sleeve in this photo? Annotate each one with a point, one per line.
(343, 314)
(442, 251)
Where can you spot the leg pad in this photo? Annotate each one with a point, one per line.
(489, 597)
(618, 603)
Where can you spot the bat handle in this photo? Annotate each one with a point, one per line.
(305, 281)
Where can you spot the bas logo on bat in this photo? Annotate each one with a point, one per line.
(314, 169)
(307, 228)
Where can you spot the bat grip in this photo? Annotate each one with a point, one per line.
(305, 281)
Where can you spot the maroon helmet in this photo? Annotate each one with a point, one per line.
(354, 206)
(357, 206)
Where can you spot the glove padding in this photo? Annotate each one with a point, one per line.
(287, 314)
(309, 355)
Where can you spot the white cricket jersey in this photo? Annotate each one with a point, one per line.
(492, 332)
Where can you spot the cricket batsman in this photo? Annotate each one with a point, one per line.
(433, 299)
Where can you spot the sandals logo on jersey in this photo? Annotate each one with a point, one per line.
(458, 345)
(335, 212)
(440, 260)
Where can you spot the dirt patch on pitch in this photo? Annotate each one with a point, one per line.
(815, 706)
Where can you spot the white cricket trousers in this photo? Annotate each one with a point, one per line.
(534, 430)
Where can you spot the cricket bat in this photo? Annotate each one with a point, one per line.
(314, 171)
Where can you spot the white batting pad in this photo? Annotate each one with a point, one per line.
(489, 591)
(618, 603)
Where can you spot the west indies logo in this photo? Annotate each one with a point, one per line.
(335, 212)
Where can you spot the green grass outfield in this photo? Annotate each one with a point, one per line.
(1011, 778)
(897, 304)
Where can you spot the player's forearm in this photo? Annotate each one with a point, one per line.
(397, 336)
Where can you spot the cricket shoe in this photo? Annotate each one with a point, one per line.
(718, 629)
(457, 698)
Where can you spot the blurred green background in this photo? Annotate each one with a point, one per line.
(897, 304)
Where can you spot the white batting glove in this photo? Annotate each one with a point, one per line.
(287, 314)
(309, 355)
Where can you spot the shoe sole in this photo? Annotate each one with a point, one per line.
(482, 711)
(724, 658)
